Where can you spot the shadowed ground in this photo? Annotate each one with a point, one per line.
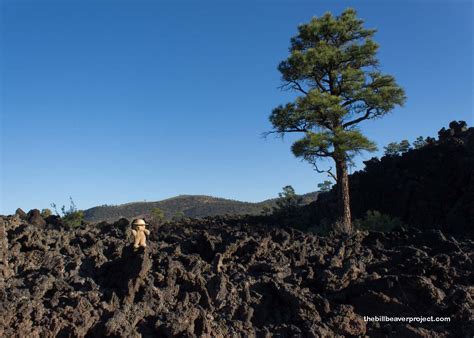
(220, 277)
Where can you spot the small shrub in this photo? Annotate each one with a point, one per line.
(157, 215)
(374, 220)
(178, 216)
(71, 217)
(46, 213)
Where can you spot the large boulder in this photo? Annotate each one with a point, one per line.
(21, 214)
(34, 217)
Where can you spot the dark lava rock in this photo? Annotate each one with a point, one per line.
(34, 217)
(20, 213)
(431, 187)
(4, 268)
(53, 220)
(217, 277)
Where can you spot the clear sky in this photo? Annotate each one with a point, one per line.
(118, 101)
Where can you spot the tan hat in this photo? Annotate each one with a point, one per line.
(139, 221)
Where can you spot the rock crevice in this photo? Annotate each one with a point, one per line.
(216, 277)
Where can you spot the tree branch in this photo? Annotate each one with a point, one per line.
(329, 172)
(319, 153)
(291, 130)
(298, 87)
(349, 102)
(360, 119)
(320, 85)
(331, 82)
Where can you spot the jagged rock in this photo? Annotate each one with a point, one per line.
(34, 217)
(346, 322)
(431, 187)
(4, 267)
(219, 277)
(54, 220)
(410, 331)
(21, 214)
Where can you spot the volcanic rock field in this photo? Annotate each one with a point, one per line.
(221, 277)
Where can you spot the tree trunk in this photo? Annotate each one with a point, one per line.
(344, 223)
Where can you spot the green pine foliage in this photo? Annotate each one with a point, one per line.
(420, 142)
(157, 215)
(325, 186)
(333, 65)
(333, 68)
(288, 201)
(178, 216)
(395, 149)
(391, 149)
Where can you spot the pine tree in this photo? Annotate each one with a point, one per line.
(404, 146)
(419, 142)
(325, 186)
(288, 202)
(333, 67)
(157, 215)
(392, 149)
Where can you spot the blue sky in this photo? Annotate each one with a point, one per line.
(118, 101)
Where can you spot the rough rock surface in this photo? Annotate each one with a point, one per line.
(431, 187)
(34, 217)
(220, 277)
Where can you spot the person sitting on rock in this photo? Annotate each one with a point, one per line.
(140, 233)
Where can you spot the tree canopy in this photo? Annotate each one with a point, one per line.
(333, 67)
(333, 64)
(395, 148)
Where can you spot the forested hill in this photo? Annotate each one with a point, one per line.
(189, 205)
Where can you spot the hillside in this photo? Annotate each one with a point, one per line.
(189, 205)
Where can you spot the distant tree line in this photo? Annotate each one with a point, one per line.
(397, 148)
